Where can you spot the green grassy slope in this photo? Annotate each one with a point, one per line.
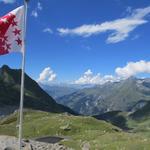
(140, 120)
(99, 134)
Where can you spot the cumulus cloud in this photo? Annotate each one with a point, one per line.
(47, 76)
(48, 30)
(121, 73)
(133, 68)
(8, 1)
(35, 12)
(120, 28)
(89, 78)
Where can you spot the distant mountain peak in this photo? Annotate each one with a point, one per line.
(132, 78)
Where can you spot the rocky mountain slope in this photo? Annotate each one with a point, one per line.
(127, 95)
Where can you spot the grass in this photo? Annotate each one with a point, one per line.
(100, 135)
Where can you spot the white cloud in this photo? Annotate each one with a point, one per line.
(89, 78)
(35, 12)
(39, 6)
(48, 30)
(8, 1)
(120, 28)
(133, 68)
(47, 76)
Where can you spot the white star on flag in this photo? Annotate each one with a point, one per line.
(4, 20)
(11, 31)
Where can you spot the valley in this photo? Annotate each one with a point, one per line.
(111, 116)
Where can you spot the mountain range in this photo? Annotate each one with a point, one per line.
(126, 95)
(60, 90)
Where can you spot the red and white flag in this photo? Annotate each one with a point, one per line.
(11, 31)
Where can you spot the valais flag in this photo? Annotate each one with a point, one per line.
(11, 31)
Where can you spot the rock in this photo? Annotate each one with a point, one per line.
(11, 143)
(66, 127)
(28, 147)
(26, 140)
(86, 146)
(9, 148)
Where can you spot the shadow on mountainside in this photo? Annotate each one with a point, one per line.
(116, 118)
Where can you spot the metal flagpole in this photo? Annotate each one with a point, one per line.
(22, 75)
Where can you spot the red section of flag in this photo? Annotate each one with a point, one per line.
(5, 23)
(11, 31)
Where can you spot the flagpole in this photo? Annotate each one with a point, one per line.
(22, 75)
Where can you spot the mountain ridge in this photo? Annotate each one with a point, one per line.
(34, 96)
(118, 96)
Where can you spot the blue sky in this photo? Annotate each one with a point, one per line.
(82, 40)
